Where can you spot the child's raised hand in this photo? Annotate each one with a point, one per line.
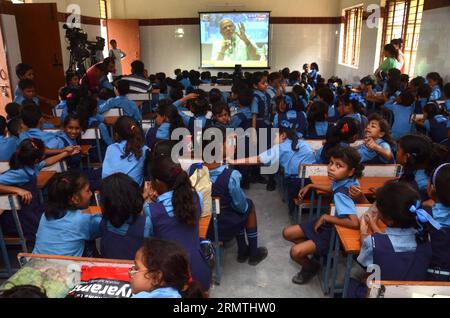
(355, 192)
(191, 96)
(25, 195)
(370, 143)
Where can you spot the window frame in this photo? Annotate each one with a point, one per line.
(352, 16)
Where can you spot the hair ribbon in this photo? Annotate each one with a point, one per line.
(423, 216)
(345, 129)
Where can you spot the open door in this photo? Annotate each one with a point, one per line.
(40, 46)
(5, 83)
(126, 33)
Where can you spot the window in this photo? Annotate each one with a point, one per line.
(351, 39)
(403, 19)
(103, 10)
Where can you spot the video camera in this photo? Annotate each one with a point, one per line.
(81, 49)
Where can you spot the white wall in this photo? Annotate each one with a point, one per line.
(12, 47)
(291, 45)
(433, 53)
(152, 9)
(90, 8)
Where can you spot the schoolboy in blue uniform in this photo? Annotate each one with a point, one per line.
(27, 92)
(315, 235)
(403, 251)
(440, 239)
(199, 107)
(402, 108)
(32, 119)
(64, 228)
(9, 144)
(23, 71)
(121, 101)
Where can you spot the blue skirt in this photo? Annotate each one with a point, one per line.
(321, 238)
(230, 223)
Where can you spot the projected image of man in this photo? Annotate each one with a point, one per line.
(234, 46)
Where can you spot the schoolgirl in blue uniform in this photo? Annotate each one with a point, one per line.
(326, 95)
(63, 228)
(124, 226)
(70, 136)
(440, 239)
(175, 213)
(21, 179)
(436, 83)
(344, 133)
(302, 97)
(237, 212)
(350, 106)
(288, 114)
(290, 152)
(274, 88)
(8, 144)
(161, 270)
(414, 153)
(378, 142)
(423, 98)
(315, 235)
(435, 123)
(89, 118)
(314, 73)
(317, 121)
(403, 251)
(128, 154)
(402, 108)
(166, 121)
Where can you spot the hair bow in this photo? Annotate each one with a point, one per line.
(286, 124)
(353, 96)
(288, 102)
(422, 216)
(345, 129)
(175, 171)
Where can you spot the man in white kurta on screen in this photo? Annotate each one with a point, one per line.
(234, 46)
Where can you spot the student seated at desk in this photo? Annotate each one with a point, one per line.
(128, 154)
(166, 121)
(64, 228)
(402, 107)
(28, 93)
(175, 213)
(344, 133)
(403, 251)
(12, 110)
(199, 106)
(350, 106)
(32, 122)
(378, 142)
(221, 115)
(162, 270)
(288, 114)
(121, 101)
(124, 226)
(317, 121)
(440, 239)
(8, 144)
(313, 237)
(89, 118)
(414, 154)
(434, 121)
(21, 179)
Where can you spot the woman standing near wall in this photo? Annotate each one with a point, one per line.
(390, 62)
(398, 43)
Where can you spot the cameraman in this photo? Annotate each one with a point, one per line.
(96, 76)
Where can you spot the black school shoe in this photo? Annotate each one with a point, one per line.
(271, 185)
(305, 276)
(260, 256)
(259, 179)
(242, 258)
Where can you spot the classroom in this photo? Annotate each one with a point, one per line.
(219, 150)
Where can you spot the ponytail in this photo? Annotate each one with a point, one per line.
(177, 180)
(419, 149)
(85, 110)
(317, 113)
(62, 187)
(344, 131)
(127, 129)
(165, 108)
(292, 135)
(28, 153)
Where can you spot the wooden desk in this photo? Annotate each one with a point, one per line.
(93, 210)
(53, 120)
(368, 184)
(351, 239)
(43, 178)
